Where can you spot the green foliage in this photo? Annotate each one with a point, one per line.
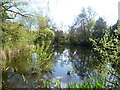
(61, 38)
(81, 29)
(114, 27)
(118, 32)
(99, 28)
(100, 24)
(8, 13)
(19, 44)
(45, 35)
(43, 23)
(90, 83)
(17, 48)
(15, 34)
(107, 51)
(91, 24)
(107, 47)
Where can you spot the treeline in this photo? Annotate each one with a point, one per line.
(85, 27)
(31, 29)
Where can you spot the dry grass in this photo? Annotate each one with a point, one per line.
(10, 54)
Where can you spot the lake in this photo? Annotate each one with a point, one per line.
(68, 63)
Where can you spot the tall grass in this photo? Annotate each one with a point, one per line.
(86, 84)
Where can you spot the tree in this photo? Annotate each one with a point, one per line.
(83, 25)
(11, 9)
(42, 23)
(45, 35)
(99, 28)
(114, 27)
(106, 50)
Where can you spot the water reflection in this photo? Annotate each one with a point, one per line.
(62, 66)
(77, 64)
(27, 70)
(69, 63)
(72, 64)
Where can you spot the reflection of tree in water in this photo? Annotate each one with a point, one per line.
(84, 62)
(22, 71)
(62, 57)
(80, 59)
(59, 49)
(60, 52)
(85, 65)
(106, 69)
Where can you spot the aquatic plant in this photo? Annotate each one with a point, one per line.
(90, 83)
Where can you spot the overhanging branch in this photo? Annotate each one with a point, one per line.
(7, 9)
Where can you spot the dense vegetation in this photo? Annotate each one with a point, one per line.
(20, 40)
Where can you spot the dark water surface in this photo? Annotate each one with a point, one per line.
(71, 64)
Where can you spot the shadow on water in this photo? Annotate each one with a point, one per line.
(72, 64)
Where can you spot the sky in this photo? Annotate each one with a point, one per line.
(63, 12)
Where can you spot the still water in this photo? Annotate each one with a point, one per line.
(71, 64)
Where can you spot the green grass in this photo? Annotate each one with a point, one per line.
(92, 82)
(86, 84)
